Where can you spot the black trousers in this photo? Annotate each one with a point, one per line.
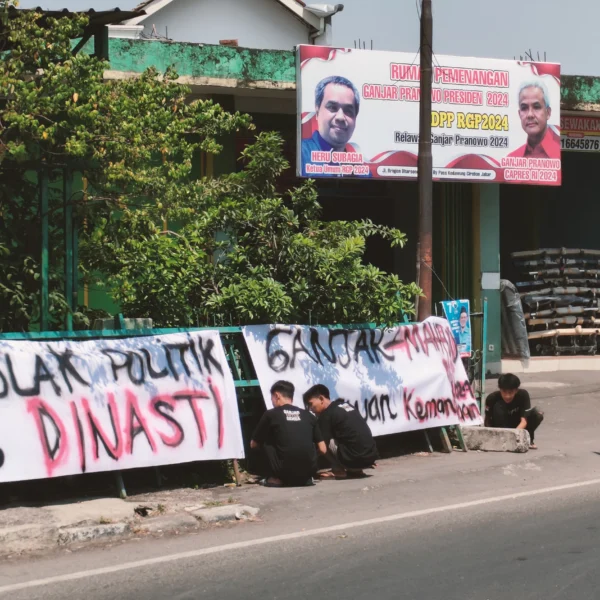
(273, 466)
(534, 419)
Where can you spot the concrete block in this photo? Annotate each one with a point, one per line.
(230, 512)
(491, 439)
(89, 533)
(169, 523)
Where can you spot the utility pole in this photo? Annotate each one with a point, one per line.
(425, 244)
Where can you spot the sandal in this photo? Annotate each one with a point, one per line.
(356, 475)
(331, 476)
(270, 484)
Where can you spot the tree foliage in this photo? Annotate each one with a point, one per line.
(233, 250)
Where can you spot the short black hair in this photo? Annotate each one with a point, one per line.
(315, 391)
(463, 309)
(285, 388)
(509, 382)
(335, 80)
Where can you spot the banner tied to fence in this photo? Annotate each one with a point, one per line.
(400, 379)
(71, 407)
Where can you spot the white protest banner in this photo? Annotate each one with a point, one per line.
(400, 379)
(71, 407)
(492, 120)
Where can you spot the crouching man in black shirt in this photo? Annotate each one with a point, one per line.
(288, 435)
(350, 447)
(510, 407)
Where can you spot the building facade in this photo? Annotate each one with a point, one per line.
(477, 226)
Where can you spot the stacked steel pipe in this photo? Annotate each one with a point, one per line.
(561, 300)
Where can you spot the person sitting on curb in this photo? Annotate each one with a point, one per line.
(288, 436)
(510, 407)
(349, 443)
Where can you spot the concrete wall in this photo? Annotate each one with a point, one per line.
(254, 23)
(274, 68)
(265, 104)
(205, 65)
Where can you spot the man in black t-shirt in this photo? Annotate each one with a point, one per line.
(348, 439)
(288, 435)
(510, 407)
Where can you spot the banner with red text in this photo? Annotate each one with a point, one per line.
(400, 379)
(580, 134)
(492, 120)
(71, 407)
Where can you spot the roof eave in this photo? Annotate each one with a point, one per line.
(297, 9)
(300, 12)
(149, 9)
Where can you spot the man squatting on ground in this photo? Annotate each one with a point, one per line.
(350, 446)
(510, 407)
(288, 437)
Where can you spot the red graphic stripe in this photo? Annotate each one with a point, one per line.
(540, 69)
(325, 53)
(474, 161)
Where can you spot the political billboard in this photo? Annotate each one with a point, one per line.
(580, 134)
(492, 120)
(458, 313)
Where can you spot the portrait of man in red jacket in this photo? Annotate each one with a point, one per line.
(535, 112)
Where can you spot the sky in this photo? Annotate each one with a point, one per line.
(566, 31)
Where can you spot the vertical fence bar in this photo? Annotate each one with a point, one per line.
(445, 438)
(86, 289)
(461, 439)
(236, 472)
(75, 288)
(428, 441)
(484, 353)
(44, 262)
(68, 231)
(120, 485)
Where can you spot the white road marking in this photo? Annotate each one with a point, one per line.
(286, 537)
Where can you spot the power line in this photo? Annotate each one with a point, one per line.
(427, 41)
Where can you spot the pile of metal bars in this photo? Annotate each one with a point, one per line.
(561, 299)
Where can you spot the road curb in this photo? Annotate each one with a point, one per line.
(167, 523)
(71, 535)
(26, 538)
(23, 539)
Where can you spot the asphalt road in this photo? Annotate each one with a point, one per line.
(538, 546)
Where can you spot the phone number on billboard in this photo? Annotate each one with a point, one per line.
(579, 144)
